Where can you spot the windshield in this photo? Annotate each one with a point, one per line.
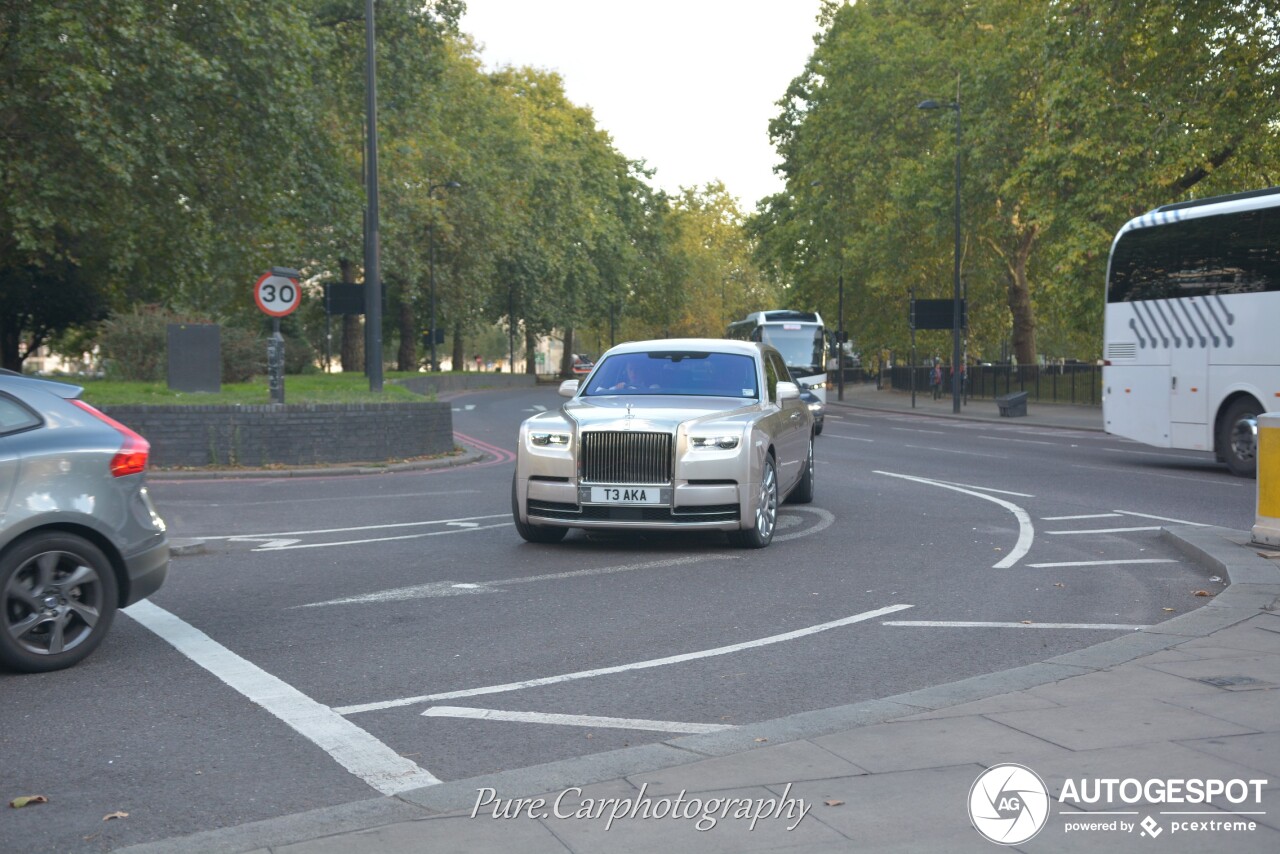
(676, 372)
(801, 346)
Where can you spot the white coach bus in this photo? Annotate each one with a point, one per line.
(798, 335)
(1192, 326)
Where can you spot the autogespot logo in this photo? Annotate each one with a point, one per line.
(1008, 804)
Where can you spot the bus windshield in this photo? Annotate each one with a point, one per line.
(801, 346)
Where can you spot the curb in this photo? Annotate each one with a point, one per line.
(465, 458)
(1253, 587)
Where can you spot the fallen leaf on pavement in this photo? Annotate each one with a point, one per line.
(27, 800)
(762, 739)
(1202, 593)
(834, 803)
(1168, 609)
(116, 814)
(1026, 622)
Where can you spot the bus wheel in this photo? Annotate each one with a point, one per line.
(1238, 437)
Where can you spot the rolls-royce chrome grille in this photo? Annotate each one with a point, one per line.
(610, 456)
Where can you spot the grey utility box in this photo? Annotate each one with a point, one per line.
(1013, 404)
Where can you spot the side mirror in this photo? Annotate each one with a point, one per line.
(568, 388)
(787, 391)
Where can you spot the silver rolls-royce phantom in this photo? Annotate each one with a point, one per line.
(674, 434)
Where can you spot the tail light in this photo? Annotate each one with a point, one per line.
(130, 459)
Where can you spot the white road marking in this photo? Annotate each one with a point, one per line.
(1085, 516)
(986, 489)
(464, 524)
(954, 452)
(1026, 531)
(918, 430)
(448, 588)
(621, 668)
(825, 520)
(1186, 458)
(357, 527)
(350, 746)
(1164, 518)
(1105, 531)
(384, 539)
(1102, 562)
(570, 720)
(850, 438)
(1020, 441)
(267, 542)
(1115, 627)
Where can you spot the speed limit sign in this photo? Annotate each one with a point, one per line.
(277, 295)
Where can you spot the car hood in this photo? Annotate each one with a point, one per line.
(650, 412)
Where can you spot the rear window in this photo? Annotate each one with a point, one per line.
(14, 417)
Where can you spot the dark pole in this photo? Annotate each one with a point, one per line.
(431, 280)
(955, 283)
(372, 275)
(511, 327)
(840, 336)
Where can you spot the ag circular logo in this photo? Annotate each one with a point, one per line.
(1008, 804)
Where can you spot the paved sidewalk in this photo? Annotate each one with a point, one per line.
(867, 396)
(1125, 735)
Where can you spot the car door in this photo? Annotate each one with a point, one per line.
(16, 419)
(792, 438)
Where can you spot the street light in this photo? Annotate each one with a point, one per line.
(431, 266)
(955, 284)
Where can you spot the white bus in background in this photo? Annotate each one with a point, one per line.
(798, 335)
(1192, 326)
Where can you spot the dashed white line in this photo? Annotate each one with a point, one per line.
(622, 668)
(1085, 516)
(354, 749)
(1101, 562)
(948, 624)
(1163, 518)
(1105, 530)
(570, 720)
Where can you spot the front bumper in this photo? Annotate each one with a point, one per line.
(705, 506)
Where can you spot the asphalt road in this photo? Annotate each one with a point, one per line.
(343, 637)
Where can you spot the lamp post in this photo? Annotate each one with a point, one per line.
(955, 283)
(372, 274)
(431, 267)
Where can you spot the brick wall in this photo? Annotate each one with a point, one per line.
(300, 434)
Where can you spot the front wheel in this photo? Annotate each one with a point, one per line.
(533, 533)
(57, 599)
(1238, 437)
(766, 511)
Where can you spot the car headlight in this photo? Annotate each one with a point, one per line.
(722, 442)
(549, 438)
(816, 406)
(818, 385)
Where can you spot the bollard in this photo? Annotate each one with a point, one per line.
(1266, 527)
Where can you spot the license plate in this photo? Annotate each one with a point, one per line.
(626, 495)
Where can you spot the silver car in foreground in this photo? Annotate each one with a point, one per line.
(673, 434)
(79, 536)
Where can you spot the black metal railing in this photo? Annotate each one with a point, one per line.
(1068, 383)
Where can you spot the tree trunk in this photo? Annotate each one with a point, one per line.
(352, 355)
(566, 358)
(407, 355)
(1024, 320)
(530, 352)
(459, 349)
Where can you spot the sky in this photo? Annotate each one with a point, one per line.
(689, 87)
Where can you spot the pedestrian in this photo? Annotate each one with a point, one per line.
(479, 363)
(935, 378)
